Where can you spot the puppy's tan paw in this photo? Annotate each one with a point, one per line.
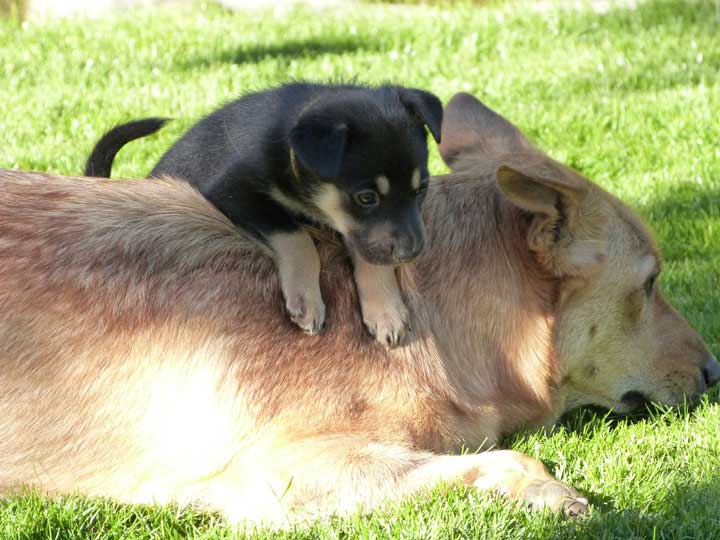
(389, 325)
(555, 496)
(307, 312)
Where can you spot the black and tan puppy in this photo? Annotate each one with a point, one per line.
(353, 158)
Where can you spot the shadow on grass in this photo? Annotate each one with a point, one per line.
(698, 15)
(680, 509)
(684, 511)
(579, 420)
(638, 71)
(683, 201)
(679, 216)
(285, 50)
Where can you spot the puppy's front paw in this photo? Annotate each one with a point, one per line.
(307, 312)
(389, 325)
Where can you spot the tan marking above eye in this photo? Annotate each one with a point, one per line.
(383, 184)
(416, 179)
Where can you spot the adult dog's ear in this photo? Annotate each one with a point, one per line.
(568, 227)
(319, 145)
(426, 106)
(471, 129)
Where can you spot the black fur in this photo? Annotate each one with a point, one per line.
(239, 157)
(100, 161)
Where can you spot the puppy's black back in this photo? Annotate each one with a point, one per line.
(239, 131)
(255, 129)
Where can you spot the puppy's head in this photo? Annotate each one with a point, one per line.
(365, 155)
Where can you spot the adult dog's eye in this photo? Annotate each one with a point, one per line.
(367, 198)
(650, 284)
(421, 190)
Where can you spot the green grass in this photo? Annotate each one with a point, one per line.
(629, 97)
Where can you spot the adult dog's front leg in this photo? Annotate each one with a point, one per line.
(299, 268)
(344, 474)
(317, 476)
(506, 472)
(384, 313)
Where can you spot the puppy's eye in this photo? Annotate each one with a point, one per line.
(650, 284)
(367, 198)
(421, 190)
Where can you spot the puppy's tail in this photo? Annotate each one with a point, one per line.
(101, 159)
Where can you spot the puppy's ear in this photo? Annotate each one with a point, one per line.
(427, 106)
(319, 144)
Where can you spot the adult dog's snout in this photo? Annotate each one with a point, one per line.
(711, 371)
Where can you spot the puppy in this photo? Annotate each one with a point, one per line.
(350, 157)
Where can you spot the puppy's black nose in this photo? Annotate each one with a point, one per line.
(711, 372)
(404, 251)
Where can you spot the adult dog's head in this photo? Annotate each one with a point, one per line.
(616, 339)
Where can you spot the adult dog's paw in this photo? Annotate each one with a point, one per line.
(555, 496)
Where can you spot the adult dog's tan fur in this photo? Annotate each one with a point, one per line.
(143, 355)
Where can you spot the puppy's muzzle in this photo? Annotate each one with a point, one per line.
(406, 248)
(394, 241)
(407, 239)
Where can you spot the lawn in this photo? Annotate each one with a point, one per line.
(629, 96)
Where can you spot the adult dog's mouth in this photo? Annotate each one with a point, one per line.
(634, 400)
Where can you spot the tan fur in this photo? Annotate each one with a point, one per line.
(383, 184)
(415, 180)
(383, 309)
(145, 355)
(330, 200)
(298, 267)
(386, 320)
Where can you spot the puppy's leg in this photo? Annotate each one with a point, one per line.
(384, 313)
(299, 268)
(236, 195)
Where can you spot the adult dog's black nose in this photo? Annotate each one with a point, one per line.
(711, 371)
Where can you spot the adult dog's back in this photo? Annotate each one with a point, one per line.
(104, 331)
(143, 353)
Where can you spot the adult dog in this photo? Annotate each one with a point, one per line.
(144, 354)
